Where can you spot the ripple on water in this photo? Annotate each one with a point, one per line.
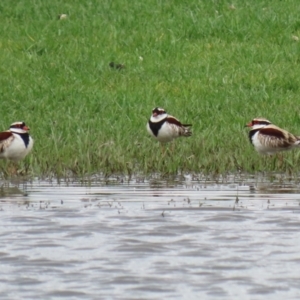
(236, 238)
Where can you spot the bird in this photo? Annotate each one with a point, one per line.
(166, 128)
(16, 142)
(116, 66)
(270, 139)
(62, 16)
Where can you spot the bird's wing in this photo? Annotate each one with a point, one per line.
(173, 120)
(6, 137)
(178, 126)
(282, 137)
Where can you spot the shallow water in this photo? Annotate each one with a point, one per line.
(193, 238)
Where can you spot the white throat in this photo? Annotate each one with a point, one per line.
(259, 126)
(18, 130)
(158, 118)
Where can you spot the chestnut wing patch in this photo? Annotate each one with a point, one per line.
(174, 121)
(5, 138)
(273, 132)
(284, 139)
(5, 135)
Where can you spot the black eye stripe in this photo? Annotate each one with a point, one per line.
(22, 125)
(257, 122)
(158, 111)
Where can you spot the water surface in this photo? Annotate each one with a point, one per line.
(236, 237)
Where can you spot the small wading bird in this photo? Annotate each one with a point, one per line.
(165, 128)
(270, 139)
(116, 66)
(16, 142)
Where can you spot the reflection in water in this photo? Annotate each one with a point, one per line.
(190, 238)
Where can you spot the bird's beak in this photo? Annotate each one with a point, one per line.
(249, 124)
(154, 114)
(26, 128)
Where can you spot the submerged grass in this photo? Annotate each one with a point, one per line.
(210, 63)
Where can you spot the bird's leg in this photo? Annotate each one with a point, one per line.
(173, 147)
(12, 168)
(163, 149)
(270, 159)
(280, 159)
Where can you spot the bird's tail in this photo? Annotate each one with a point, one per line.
(298, 140)
(187, 129)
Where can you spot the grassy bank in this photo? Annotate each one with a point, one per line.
(209, 63)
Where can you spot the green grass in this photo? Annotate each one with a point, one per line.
(204, 62)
